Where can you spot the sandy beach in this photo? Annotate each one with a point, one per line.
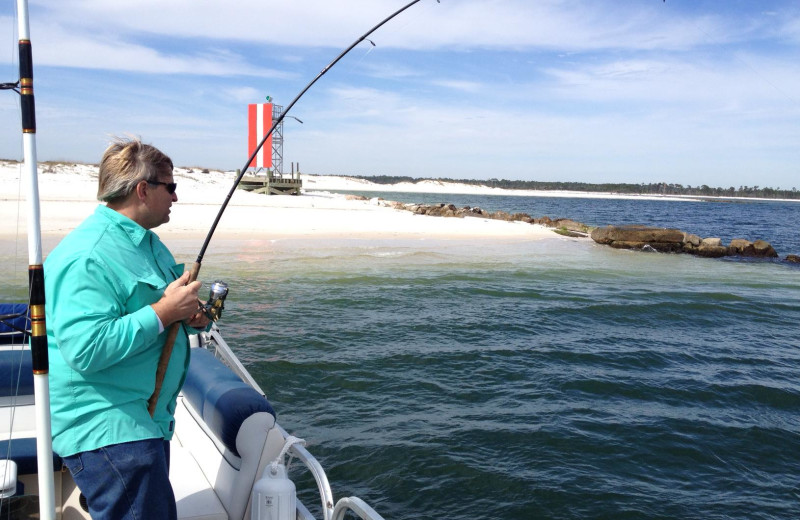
(67, 193)
(334, 183)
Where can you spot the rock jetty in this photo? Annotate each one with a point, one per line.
(643, 238)
(563, 226)
(676, 241)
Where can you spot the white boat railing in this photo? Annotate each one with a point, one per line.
(223, 352)
(315, 468)
(356, 505)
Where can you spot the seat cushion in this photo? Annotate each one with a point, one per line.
(221, 399)
(23, 452)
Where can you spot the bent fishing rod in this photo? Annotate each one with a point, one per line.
(195, 271)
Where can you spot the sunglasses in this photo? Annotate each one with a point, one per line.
(171, 186)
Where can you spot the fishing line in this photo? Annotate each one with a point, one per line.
(711, 41)
(14, 34)
(371, 47)
(392, 31)
(422, 12)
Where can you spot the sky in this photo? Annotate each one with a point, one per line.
(688, 92)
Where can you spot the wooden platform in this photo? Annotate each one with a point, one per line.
(273, 184)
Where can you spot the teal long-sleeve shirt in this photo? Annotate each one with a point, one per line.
(103, 336)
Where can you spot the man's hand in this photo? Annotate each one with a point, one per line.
(199, 320)
(179, 301)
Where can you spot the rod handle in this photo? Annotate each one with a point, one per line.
(166, 352)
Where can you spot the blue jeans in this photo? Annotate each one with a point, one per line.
(127, 481)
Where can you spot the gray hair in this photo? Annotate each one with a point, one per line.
(126, 163)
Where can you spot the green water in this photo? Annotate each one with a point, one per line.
(549, 379)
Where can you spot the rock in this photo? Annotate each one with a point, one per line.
(637, 237)
(740, 246)
(794, 259)
(711, 242)
(691, 240)
(711, 249)
(434, 210)
(568, 233)
(521, 217)
(570, 225)
(764, 249)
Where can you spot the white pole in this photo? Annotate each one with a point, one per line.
(44, 441)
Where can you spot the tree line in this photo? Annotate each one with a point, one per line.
(657, 188)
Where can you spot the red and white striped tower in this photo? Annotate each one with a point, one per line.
(259, 121)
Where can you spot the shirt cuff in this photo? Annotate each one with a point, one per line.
(151, 325)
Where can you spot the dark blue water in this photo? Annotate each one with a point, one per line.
(549, 379)
(777, 222)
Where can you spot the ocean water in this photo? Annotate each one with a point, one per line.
(553, 379)
(550, 379)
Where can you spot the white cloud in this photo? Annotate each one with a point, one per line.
(791, 29)
(58, 47)
(472, 87)
(388, 70)
(515, 24)
(244, 94)
(745, 79)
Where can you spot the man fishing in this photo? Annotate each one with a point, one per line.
(112, 288)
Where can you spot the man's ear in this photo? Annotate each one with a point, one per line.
(141, 190)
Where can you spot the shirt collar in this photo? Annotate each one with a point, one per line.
(134, 231)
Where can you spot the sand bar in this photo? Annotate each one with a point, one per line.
(67, 193)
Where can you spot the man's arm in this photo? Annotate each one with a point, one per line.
(92, 327)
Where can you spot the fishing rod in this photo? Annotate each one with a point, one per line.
(195, 270)
(36, 295)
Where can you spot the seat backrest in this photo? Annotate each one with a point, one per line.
(23, 452)
(222, 400)
(10, 329)
(16, 373)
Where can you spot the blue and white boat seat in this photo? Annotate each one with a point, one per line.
(221, 436)
(18, 440)
(10, 329)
